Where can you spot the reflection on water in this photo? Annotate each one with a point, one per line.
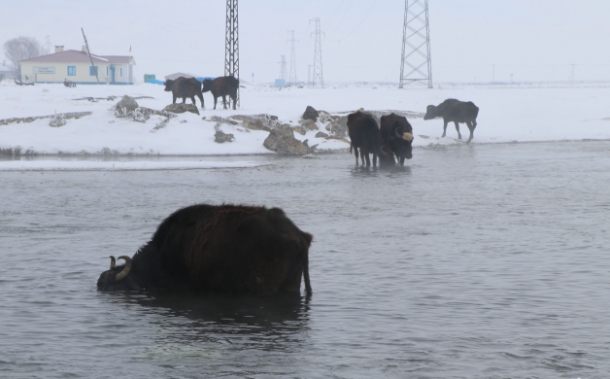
(470, 262)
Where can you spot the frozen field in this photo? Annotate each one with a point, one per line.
(506, 115)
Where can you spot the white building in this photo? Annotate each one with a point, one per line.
(75, 66)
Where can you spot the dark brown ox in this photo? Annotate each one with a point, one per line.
(366, 138)
(185, 87)
(228, 248)
(222, 86)
(397, 134)
(452, 110)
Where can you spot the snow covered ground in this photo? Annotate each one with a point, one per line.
(506, 115)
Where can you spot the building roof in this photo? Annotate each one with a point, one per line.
(77, 56)
(178, 75)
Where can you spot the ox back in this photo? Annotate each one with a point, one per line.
(453, 110)
(185, 87)
(366, 139)
(227, 248)
(397, 134)
(222, 86)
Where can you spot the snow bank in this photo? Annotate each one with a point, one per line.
(506, 115)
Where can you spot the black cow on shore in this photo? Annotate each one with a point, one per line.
(185, 87)
(229, 248)
(366, 138)
(222, 86)
(452, 110)
(397, 134)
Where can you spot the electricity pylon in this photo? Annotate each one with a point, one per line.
(318, 74)
(232, 43)
(416, 45)
(292, 75)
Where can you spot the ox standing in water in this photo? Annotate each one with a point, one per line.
(366, 138)
(397, 134)
(452, 110)
(185, 87)
(228, 248)
(222, 86)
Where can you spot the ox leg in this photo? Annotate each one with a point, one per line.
(457, 128)
(471, 128)
(356, 154)
(445, 128)
(224, 101)
(368, 159)
(174, 102)
(215, 100)
(193, 100)
(234, 98)
(402, 160)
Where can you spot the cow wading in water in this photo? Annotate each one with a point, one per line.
(185, 87)
(366, 138)
(222, 86)
(397, 134)
(227, 248)
(452, 110)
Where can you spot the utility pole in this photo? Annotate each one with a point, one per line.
(283, 67)
(232, 43)
(292, 76)
(318, 74)
(91, 58)
(416, 45)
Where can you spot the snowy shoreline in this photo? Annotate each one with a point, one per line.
(507, 115)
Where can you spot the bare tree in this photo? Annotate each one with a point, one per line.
(21, 48)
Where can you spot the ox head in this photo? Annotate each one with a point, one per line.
(430, 112)
(402, 144)
(207, 85)
(169, 84)
(117, 278)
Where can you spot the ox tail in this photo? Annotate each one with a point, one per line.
(308, 290)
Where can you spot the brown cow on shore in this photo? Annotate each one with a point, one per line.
(222, 86)
(452, 110)
(228, 248)
(185, 87)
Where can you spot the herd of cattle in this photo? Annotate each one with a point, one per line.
(391, 143)
(394, 138)
(190, 87)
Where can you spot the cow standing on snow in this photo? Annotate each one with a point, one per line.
(185, 87)
(452, 110)
(222, 86)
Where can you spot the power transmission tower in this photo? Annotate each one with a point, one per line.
(292, 76)
(318, 74)
(232, 43)
(283, 67)
(416, 45)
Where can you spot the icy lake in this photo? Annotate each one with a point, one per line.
(474, 261)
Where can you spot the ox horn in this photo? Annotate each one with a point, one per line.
(407, 136)
(112, 262)
(121, 275)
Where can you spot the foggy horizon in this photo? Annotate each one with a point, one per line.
(541, 41)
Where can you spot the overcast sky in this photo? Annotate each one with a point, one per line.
(535, 40)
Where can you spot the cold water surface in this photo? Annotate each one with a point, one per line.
(480, 261)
